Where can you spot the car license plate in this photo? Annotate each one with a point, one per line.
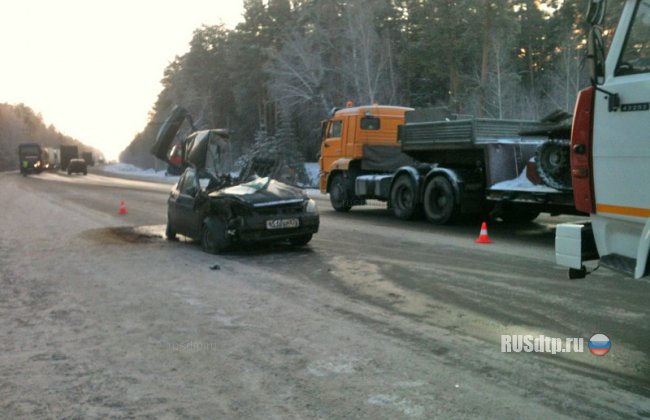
(282, 223)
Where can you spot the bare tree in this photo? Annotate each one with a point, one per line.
(298, 73)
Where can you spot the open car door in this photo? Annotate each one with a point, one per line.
(167, 133)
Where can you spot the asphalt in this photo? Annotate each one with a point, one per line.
(430, 281)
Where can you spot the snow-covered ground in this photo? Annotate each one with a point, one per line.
(522, 183)
(313, 172)
(128, 169)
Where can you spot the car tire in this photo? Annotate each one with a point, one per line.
(69, 172)
(339, 194)
(439, 201)
(85, 172)
(214, 235)
(170, 233)
(301, 240)
(403, 198)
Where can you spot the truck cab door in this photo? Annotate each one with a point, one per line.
(621, 133)
(332, 147)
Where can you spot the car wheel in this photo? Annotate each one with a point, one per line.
(301, 240)
(69, 172)
(439, 201)
(403, 198)
(339, 195)
(214, 235)
(85, 172)
(170, 233)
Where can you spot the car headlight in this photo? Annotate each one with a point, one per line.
(311, 207)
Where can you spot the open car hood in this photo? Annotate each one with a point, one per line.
(167, 132)
(263, 192)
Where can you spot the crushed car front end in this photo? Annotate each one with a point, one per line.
(265, 210)
(275, 221)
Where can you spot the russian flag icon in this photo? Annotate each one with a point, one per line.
(599, 344)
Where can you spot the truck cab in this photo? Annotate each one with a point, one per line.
(356, 140)
(610, 154)
(30, 158)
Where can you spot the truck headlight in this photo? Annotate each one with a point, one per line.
(311, 207)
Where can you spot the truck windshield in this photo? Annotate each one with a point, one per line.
(636, 53)
(335, 129)
(29, 150)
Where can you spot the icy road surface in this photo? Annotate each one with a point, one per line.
(375, 319)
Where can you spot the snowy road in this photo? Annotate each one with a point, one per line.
(376, 318)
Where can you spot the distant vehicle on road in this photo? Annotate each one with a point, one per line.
(66, 154)
(50, 157)
(77, 166)
(29, 158)
(88, 157)
(219, 210)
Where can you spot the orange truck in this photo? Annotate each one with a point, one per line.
(442, 166)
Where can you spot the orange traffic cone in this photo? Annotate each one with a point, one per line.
(483, 236)
(122, 208)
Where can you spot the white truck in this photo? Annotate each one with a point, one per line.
(610, 151)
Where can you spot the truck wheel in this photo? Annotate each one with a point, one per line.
(339, 195)
(301, 240)
(439, 201)
(403, 198)
(214, 236)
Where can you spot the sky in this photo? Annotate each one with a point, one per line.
(92, 68)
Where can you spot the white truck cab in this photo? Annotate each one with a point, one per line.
(610, 153)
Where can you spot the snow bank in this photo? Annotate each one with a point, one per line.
(128, 169)
(313, 173)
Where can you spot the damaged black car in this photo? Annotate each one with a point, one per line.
(221, 210)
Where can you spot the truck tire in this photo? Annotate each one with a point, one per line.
(439, 201)
(340, 194)
(214, 235)
(403, 198)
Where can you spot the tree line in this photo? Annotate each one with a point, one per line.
(273, 78)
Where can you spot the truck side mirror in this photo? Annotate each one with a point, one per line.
(596, 56)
